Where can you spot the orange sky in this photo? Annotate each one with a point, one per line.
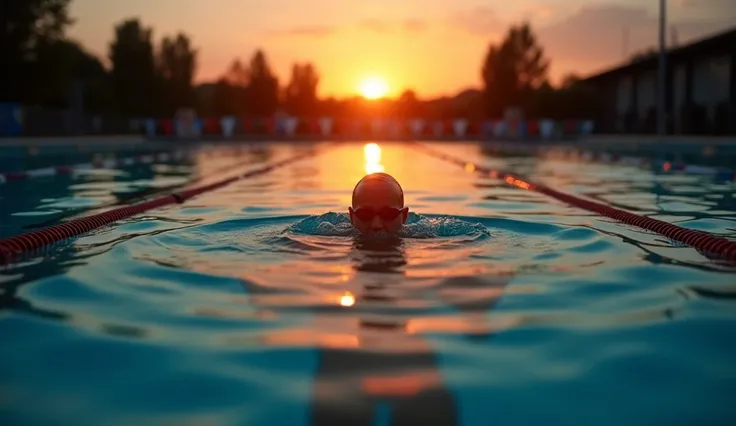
(432, 46)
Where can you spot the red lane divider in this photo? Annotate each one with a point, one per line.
(15, 246)
(700, 240)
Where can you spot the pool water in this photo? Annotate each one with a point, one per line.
(256, 304)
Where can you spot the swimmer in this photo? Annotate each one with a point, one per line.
(378, 205)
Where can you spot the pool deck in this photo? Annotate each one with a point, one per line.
(73, 140)
(592, 141)
(650, 139)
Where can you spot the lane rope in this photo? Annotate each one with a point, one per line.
(11, 248)
(699, 240)
(144, 193)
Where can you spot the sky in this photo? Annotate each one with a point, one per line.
(434, 47)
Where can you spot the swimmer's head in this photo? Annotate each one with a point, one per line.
(378, 205)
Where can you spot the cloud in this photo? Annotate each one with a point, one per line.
(482, 21)
(315, 31)
(414, 25)
(376, 25)
(544, 12)
(706, 8)
(385, 26)
(596, 35)
(721, 6)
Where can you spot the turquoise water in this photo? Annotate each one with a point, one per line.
(256, 305)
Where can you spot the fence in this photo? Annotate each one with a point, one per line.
(376, 128)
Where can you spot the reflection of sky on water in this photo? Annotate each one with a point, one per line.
(223, 298)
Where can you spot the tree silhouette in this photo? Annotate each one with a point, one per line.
(263, 87)
(50, 71)
(133, 71)
(498, 80)
(513, 70)
(408, 106)
(70, 68)
(177, 65)
(230, 95)
(300, 96)
(26, 25)
(529, 62)
(237, 75)
(570, 80)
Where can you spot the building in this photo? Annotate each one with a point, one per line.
(700, 95)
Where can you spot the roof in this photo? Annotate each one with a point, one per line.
(719, 43)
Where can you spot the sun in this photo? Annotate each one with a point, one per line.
(374, 88)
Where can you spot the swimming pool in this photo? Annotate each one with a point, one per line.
(252, 305)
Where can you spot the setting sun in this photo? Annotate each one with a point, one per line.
(374, 88)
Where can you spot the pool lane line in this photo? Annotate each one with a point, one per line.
(15, 246)
(567, 153)
(700, 240)
(142, 194)
(657, 165)
(143, 158)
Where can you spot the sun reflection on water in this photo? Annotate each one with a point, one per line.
(372, 154)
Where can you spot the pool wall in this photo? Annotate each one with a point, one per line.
(18, 153)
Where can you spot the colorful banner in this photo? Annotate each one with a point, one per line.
(325, 125)
(289, 125)
(11, 119)
(546, 127)
(417, 125)
(228, 126)
(460, 127)
(437, 128)
(377, 126)
(499, 129)
(187, 125)
(150, 127)
(586, 127)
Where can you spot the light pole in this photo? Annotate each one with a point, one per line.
(661, 96)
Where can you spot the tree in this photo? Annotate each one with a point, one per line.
(237, 75)
(499, 80)
(529, 62)
(134, 74)
(27, 24)
(513, 70)
(301, 92)
(230, 95)
(263, 87)
(569, 81)
(177, 64)
(69, 69)
(408, 106)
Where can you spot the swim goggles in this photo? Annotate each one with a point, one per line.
(366, 214)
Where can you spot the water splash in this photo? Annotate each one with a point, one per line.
(416, 226)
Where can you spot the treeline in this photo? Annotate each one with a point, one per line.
(154, 78)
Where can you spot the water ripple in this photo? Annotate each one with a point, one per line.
(258, 303)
